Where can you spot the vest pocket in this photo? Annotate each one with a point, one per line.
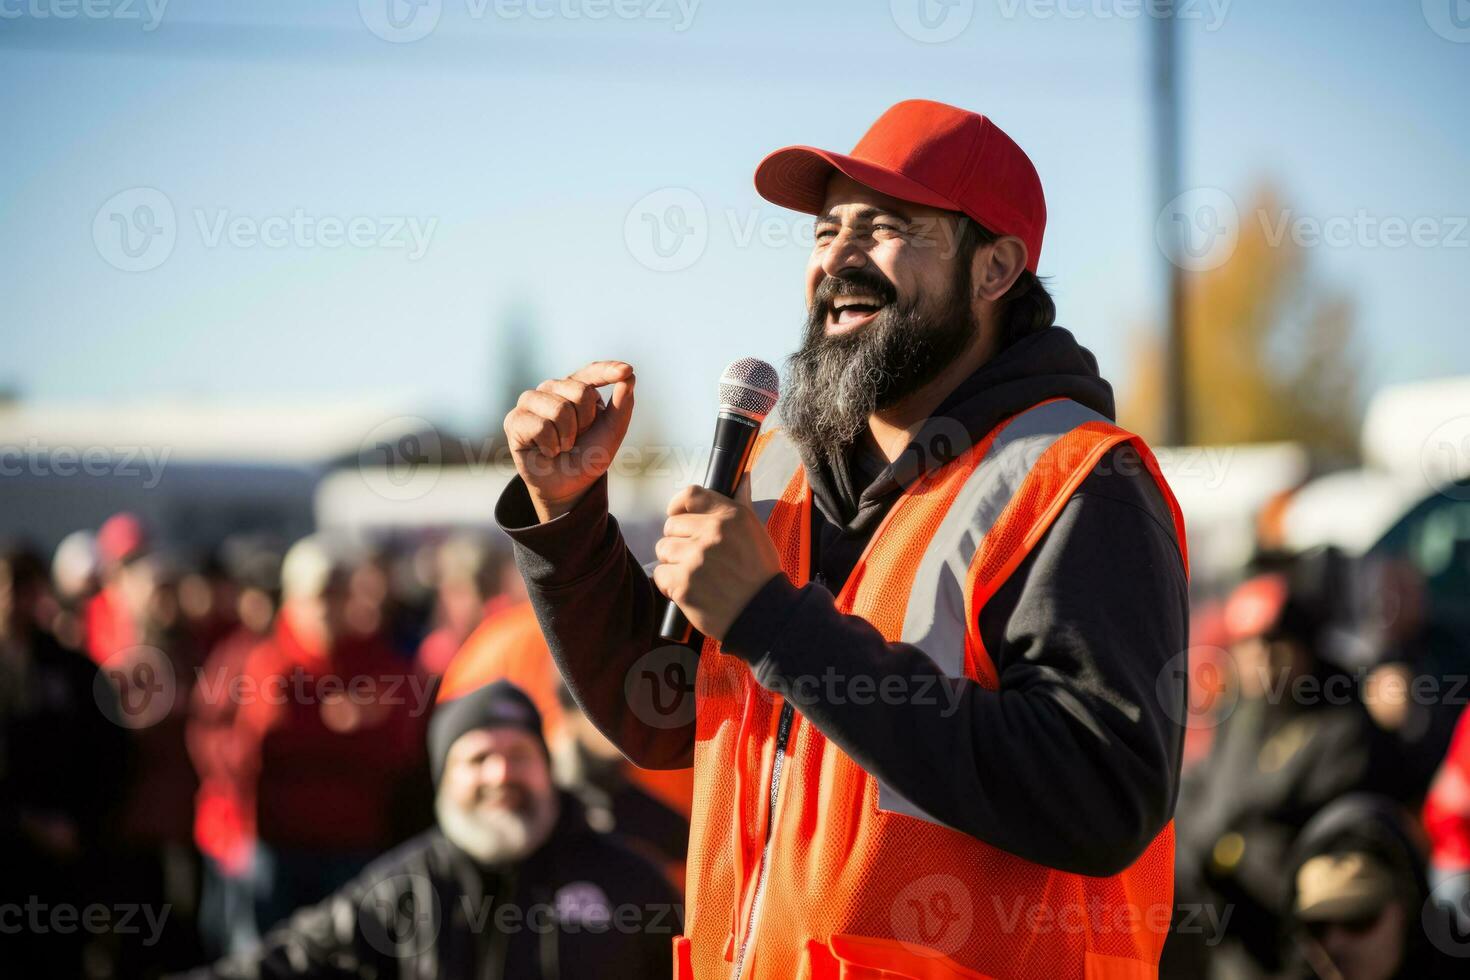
(867, 958)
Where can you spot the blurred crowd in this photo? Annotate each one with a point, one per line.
(1323, 823)
(194, 747)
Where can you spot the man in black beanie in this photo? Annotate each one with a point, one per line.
(512, 883)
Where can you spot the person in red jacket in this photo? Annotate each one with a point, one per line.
(1447, 821)
(327, 737)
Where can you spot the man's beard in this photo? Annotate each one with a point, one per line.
(835, 383)
(497, 835)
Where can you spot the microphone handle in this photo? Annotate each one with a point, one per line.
(734, 439)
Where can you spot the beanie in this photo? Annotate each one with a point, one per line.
(497, 705)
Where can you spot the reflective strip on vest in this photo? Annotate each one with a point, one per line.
(935, 619)
(776, 462)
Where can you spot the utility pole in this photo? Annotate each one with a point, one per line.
(1165, 92)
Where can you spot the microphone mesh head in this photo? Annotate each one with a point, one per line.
(749, 386)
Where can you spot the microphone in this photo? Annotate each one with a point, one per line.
(748, 391)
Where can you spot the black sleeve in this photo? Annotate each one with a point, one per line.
(599, 612)
(1074, 762)
(348, 934)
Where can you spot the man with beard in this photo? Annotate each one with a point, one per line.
(511, 883)
(934, 719)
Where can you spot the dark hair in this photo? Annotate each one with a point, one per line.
(1027, 307)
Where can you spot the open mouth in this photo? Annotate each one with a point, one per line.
(851, 312)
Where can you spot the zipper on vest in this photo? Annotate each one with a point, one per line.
(778, 766)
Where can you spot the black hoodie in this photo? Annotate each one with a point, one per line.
(1073, 763)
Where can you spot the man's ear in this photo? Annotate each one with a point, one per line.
(996, 267)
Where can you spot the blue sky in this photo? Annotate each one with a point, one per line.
(525, 150)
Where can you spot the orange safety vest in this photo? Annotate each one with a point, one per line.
(849, 880)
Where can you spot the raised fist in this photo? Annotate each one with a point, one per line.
(563, 437)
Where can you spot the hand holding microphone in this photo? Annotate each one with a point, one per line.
(715, 554)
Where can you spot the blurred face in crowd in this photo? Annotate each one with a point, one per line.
(1265, 666)
(1366, 949)
(321, 618)
(892, 301)
(137, 580)
(496, 801)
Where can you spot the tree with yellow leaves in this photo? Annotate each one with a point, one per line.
(1270, 353)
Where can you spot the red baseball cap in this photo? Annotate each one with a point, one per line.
(929, 153)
